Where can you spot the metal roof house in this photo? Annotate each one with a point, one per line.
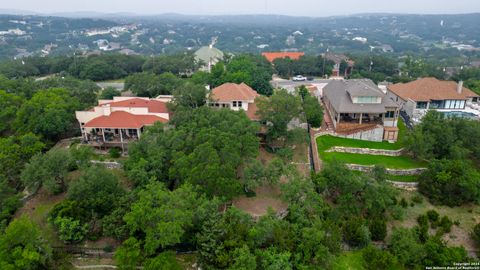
(209, 55)
(359, 109)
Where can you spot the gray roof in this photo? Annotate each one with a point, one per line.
(338, 93)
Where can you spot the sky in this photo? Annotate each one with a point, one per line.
(315, 8)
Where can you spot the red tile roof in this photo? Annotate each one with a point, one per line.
(271, 56)
(120, 119)
(427, 89)
(228, 92)
(154, 106)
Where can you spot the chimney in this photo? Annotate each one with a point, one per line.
(460, 87)
(107, 110)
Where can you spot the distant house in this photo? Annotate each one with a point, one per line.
(113, 123)
(419, 96)
(272, 56)
(209, 55)
(235, 97)
(337, 59)
(359, 109)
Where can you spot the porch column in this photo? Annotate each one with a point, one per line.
(103, 134)
(361, 116)
(138, 132)
(121, 140)
(338, 118)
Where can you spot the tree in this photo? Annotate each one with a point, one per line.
(377, 259)
(23, 247)
(313, 110)
(97, 189)
(243, 259)
(83, 90)
(81, 155)
(129, 255)
(378, 229)
(476, 233)
(9, 202)
(278, 110)
(109, 93)
(163, 261)
(450, 182)
(190, 95)
(356, 233)
(50, 113)
(162, 215)
(9, 104)
(48, 170)
(70, 230)
(271, 259)
(15, 151)
(406, 247)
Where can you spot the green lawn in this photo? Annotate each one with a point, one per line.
(326, 142)
(400, 162)
(403, 178)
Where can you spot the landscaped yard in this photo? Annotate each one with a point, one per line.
(326, 142)
(401, 162)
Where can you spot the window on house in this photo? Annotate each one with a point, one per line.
(234, 104)
(367, 99)
(239, 104)
(475, 99)
(390, 114)
(422, 105)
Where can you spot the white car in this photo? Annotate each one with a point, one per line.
(299, 78)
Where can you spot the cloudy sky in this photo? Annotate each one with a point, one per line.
(209, 7)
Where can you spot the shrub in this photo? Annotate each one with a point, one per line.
(114, 152)
(433, 216)
(417, 198)
(356, 233)
(476, 233)
(445, 224)
(70, 230)
(378, 229)
(376, 259)
(403, 203)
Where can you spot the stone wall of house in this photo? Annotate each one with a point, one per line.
(368, 168)
(366, 151)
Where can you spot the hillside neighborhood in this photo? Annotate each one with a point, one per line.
(146, 147)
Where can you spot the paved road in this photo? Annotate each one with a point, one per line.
(118, 86)
(291, 85)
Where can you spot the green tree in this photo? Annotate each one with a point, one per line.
(378, 229)
(9, 103)
(109, 93)
(163, 261)
(97, 190)
(190, 95)
(450, 182)
(406, 247)
(164, 224)
(243, 259)
(70, 230)
(313, 111)
(23, 247)
(128, 256)
(50, 113)
(377, 259)
(278, 110)
(48, 170)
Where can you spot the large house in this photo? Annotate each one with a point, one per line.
(417, 97)
(272, 56)
(337, 59)
(114, 123)
(359, 109)
(235, 97)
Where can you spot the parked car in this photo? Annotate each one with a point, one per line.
(299, 78)
(310, 78)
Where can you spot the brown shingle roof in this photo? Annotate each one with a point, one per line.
(228, 92)
(427, 89)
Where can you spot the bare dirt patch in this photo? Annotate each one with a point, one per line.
(268, 196)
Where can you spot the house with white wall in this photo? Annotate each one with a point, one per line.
(419, 96)
(235, 97)
(114, 123)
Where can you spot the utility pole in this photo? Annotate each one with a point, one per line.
(324, 60)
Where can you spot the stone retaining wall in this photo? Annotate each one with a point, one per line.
(368, 168)
(108, 164)
(366, 151)
(404, 185)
